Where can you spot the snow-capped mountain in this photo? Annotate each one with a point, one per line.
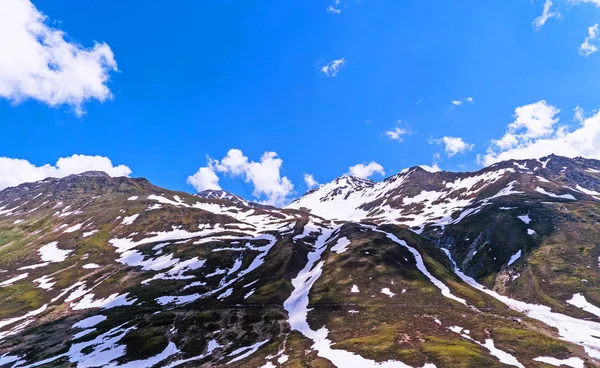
(495, 268)
(417, 197)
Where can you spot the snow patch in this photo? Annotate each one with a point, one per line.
(51, 253)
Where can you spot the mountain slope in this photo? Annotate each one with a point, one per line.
(421, 270)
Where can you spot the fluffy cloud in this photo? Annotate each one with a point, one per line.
(531, 122)
(365, 171)
(14, 171)
(310, 181)
(37, 62)
(264, 175)
(453, 145)
(204, 179)
(396, 134)
(541, 135)
(333, 67)
(587, 48)
(546, 14)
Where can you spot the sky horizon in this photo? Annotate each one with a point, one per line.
(269, 100)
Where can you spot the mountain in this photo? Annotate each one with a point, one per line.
(495, 268)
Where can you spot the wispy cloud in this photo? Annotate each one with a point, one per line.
(462, 100)
(332, 68)
(587, 48)
(396, 134)
(334, 10)
(310, 181)
(547, 13)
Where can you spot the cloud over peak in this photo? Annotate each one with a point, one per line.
(537, 132)
(14, 171)
(365, 171)
(265, 175)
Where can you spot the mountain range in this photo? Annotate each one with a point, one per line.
(494, 268)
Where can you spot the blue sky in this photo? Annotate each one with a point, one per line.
(197, 78)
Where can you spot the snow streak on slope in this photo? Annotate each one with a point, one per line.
(297, 307)
(580, 332)
(421, 266)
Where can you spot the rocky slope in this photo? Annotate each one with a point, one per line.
(494, 268)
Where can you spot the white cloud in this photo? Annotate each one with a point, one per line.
(546, 14)
(396, 134)
(264, 175)
(333, 67)
(364, 171)
(586, 47)
(310, 181)
(431, 168)
(332, 9)
(578, 114)
(531, 122)
(453, 145)
(204, 179)
(583, 141)
(14, 171)
(460, 102)
(36, 62)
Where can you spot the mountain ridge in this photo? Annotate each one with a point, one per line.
(497, 268)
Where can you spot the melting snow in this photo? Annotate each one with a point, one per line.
(579, 301)
(562, 196)
(14, 279)
(571, 362)
(387, 292)
(525, 218)
(73, 228)
(421, 266)
(89, 233)
(90, 321)
(128, 220)
(45, 282)
(51, 253)
(34, 266)
(354, 289)
(341, 245)
(514, 257)
(297, 307)
(580, 332)
(132, 198)
(249, 350)
(90, 266)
